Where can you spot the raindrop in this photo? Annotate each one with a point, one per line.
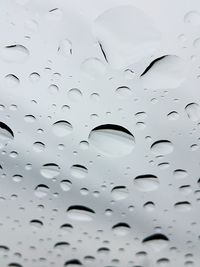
(146, 183)
(166, 72)
(80, 213)
(156, 241)
(5, 132)
(193, 111)
(78, 171)
(183, 206)
(112, 140)
(122, 45)
(50, 170)
(162, 147)
(65, 185)
(192, 17)
(62, 128)
(119, 193)
(15, 53)
(121, 229)
(73, 263)
(41, 191)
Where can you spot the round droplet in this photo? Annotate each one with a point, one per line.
(192, 17)
(62, 128)
(112, 140)
(162, 147)
(78, 171)
(183, 206)
(6, 133)
(50, 170)
(14, 53)
(41, 191)
(11, 81)
(193, 111)
(65, 185)
(121, 229)
(80, 213)
(74, 94)
(119, 193)
(157, 242)
(146, 183)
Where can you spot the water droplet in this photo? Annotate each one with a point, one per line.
(11, 81)
(6, 133)
(73, 263)
(65, 185)
(119, 193)
(36, 224)
(14, 53)
(121, 44)
(80, 213)
(146, 183)
(121, 229)
(41, 191)
(65, 48)
(74, 94)
(183, 206)
(162, 147)
(78, 171)
(157, 242)
(62, 128)
(166, 72)
(50, 170)
(192, 17)
(193, 111)
(112, 140)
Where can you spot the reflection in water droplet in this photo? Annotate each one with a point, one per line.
(119, 193)
(80, 213)
(146, 183)
(62, 128)
(112, 140)
(50, 170)
(162, 147)
(78, 171)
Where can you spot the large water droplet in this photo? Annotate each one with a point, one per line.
(162, 147)
(126, 35)
(119, 193)
(78, 171)
(193, 111)
(166, 72)
(146, 183)
(121, 229)
(14, 53)
(192, 17)
(156, 241)
(5, 132)
(73, 263)
(80, 213)
(62, 128)
(112, 140)
(183, 206)
(50, 170)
